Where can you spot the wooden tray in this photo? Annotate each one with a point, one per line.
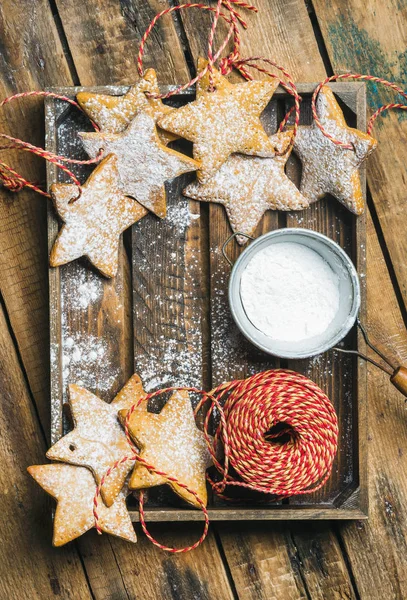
(165, 316)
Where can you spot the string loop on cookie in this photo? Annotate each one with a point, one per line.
(379, 111)
(15, 182)
(136, 457)
(279, 433)
(232, 19)
(289, 87)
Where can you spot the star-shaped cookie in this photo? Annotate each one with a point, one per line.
(98, 440)
(224, 121)
(248, 186)
(93, 223)
(74, 489)
(114, 113)
(171, 442)
(326, 167)
(144, 163)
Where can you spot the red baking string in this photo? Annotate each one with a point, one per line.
(379, 111)
(233, 60)
(289, 87)
(263, 461)
(232, 20)
(12, 180)
(136, 457)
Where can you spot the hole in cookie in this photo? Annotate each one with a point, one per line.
(72, 447)
(279, 434)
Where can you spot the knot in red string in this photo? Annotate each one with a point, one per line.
(11, 184)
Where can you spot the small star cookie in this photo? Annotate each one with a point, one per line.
(144, 163)
(171, 442)
(74, 489)
(93, 223)
(326, 167)
(114, 113)
(98, 440)
(248, 186)
(224, 121)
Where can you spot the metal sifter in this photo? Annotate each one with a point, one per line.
(347, 314)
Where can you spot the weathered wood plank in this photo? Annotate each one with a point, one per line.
(148, 572)
(282, 31)
(31, 58)
(263, 561)
(104, 37)
(27, 557)
(377, 548)
(112, 68)
(379, 39)
(341, 377)
(271, 561)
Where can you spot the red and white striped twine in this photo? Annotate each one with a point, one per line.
(14, 182)
(295, 459)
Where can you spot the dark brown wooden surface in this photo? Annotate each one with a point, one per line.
(171, 294)
(93, 43)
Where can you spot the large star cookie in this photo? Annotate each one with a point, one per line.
(144, 163)
(114, 113)
(326, 167)
(224, 121)
(248, 186)
(74, 489)
(171, 442)
(93, 223)
(98, 440)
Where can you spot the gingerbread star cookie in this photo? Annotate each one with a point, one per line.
(171, 442)
(144, 163)
(74, 489)
(326, 167)
(114, 113)
(93, 222)
(98, 440)
(248, 186)
(224, 121)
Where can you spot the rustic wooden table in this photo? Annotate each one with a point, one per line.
(64, 43)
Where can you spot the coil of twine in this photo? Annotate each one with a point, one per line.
(278, 432)
(282, 433)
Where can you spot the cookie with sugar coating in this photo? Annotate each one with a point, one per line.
(171, 443)
(74, 489)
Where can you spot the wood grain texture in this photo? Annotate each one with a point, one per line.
(115, 64)
(27, 557)
(104, 37)
(379, 38)
(280, 31)
(150, 573)
(31, 58)
(343, 378)
(277, 35)
(376, 548)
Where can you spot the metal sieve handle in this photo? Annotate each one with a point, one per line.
(230, 238)
(398, 374)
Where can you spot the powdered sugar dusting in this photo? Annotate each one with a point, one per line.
(180, 217)
(74, 489)
(248, 186)
(222, 122)
(144, 165)
(289, 292)
(326, 167)
(167, 303)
